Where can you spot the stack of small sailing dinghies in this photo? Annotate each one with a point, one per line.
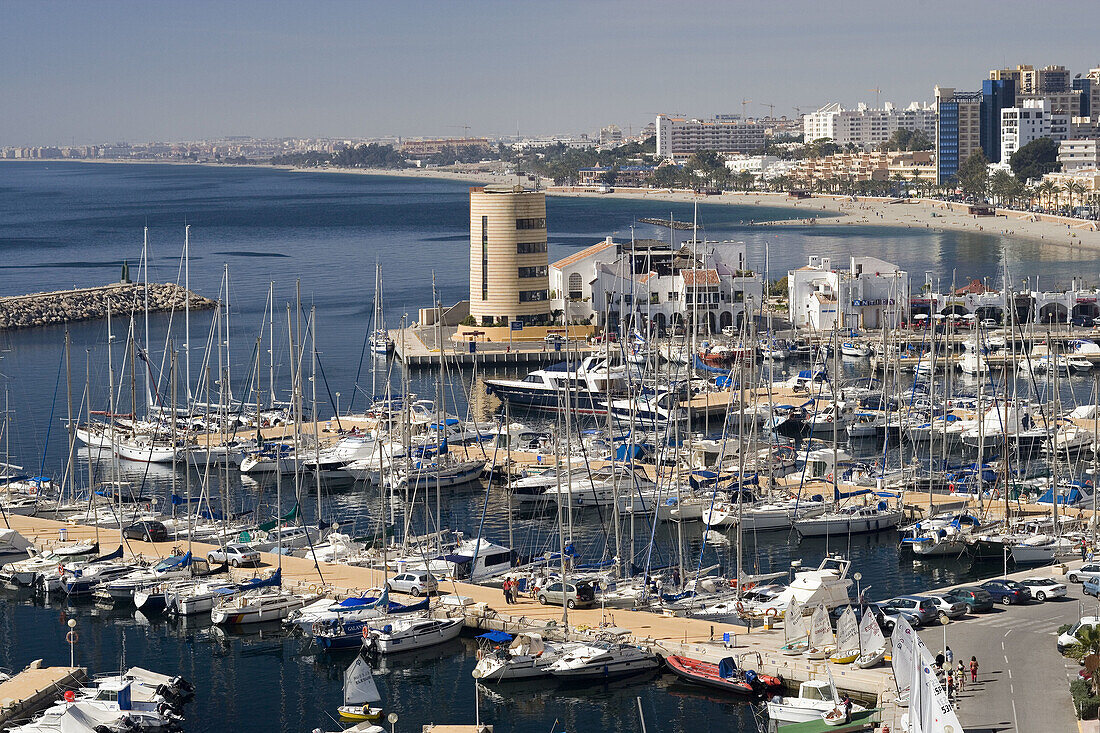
(930, 711)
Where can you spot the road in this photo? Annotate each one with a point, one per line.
(1023, 682)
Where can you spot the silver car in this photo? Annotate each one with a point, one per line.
(951, 609)
(414, 582)
(574, 595)
(234, 554)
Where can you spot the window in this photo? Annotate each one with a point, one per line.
(535, 223)
(484, 258)
(525, 248)
(532, 296)
(575, 286)
(533, 271)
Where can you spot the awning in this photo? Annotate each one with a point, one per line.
(497, 637)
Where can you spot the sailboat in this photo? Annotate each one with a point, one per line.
(795, 633)
(360, 691)
(380, 341)
(872, 644)
(847, 638)
(821, 643)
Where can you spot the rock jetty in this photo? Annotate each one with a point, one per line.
(85, 304)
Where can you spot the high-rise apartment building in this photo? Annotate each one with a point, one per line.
(865, 127)
(997, 95)
(509, 266)
(1032, 120)
(958, 129)
(678, 137)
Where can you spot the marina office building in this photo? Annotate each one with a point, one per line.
(508, 260)
(653, 286)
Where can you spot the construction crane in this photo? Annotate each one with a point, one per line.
(465, 129)
(744, 105)
(771, 108)
(876, 90)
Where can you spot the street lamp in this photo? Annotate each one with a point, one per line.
(859, 596)
(337, 404)
(71, 638)
(392, 718)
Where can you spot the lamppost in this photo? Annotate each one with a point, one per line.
(337, 404)
(392, 718)
(859, 596)
(71, 638)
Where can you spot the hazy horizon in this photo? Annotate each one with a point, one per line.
(110, 71)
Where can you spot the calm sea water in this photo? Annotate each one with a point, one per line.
(65, 225)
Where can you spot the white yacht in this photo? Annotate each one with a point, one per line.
(850, 520)
(603, 660)
(266, 604)
(405, 634)
(527, 656)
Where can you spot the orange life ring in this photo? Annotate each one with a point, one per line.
(740, 607)
(772, 612)
(60, 569)
(366, 633)
(72, 637)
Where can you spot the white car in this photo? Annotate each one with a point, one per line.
(1068, 639)
(1044, 588)
(415, 583)
(234, 554)
(989, 323)
(1087, 570)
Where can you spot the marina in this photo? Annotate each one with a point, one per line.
(640, 506)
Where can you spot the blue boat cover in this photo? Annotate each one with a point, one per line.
(497, 637)
(727, 668)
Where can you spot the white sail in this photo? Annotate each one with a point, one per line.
(902, 651)
(870, 635)
(930, 711)
(821, 630)
(847, 631)
(794, 623)
(359, 686)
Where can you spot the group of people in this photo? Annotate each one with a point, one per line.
(954, 676)
(511, 591)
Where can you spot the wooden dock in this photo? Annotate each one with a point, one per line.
(35, 688)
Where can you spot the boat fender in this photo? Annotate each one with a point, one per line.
(388, 628)
(772, 612)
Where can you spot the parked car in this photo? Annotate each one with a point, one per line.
(1007, 591)
(148, 530)
(977, 600)
(886, 621)
(948, 609)
(554, 338)
(235, 554)
(1069, 638)
(989, 323)
(1091, 586)
(1044, 588)
(582, 594)
(917, 610)
(1079, 575)
(415, 583)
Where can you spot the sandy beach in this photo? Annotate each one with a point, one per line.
(826, 209)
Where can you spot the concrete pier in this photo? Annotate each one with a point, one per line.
(35, 688)
(86, 304)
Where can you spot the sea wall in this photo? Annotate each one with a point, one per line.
(85, 304)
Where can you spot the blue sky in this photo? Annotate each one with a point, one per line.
(103, 71)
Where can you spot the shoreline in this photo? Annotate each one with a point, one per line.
(828, 209)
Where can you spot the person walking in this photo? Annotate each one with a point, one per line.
(973, 669)
(950, 685)
(960, 675)
(507, 588)
(949, 656)
(1084, 549)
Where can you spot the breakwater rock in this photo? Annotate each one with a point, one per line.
(85, 304)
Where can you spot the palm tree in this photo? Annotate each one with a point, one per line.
(1047, 188)
(1076, 191)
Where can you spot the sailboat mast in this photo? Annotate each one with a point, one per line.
(187, 311)
(71, 427)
